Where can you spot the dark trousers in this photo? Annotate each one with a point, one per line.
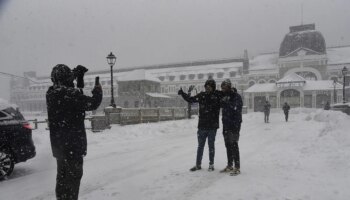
(69, 173)
(202, 136)
(266, 116)
(286, 116)
(231, 138)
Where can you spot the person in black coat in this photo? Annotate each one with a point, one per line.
(286, 109)
(66, 108)
(267, 107)
(231, 104)
(327, 106)
(208, 122)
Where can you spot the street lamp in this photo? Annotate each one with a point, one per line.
(111, 61)
(344, 71)
(334, 92)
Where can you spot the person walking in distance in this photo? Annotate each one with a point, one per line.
(267, 107)
(286, 109)
(66, 106)
(208, 120)
(231, 104)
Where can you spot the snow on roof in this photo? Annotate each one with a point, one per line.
(321, 85)
(5, 104)
(264, 61)
(338, 55)
(157, 95)
(309, 86)
(136, 75)
(293, 77)
(212, 68)
(265, 87)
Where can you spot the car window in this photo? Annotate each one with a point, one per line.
(2, 115)
(14, 113)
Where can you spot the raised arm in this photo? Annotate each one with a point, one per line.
(187, 97)
(87, 103)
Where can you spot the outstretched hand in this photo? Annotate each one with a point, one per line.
(190, 88)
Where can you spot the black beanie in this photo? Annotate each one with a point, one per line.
(211, 83)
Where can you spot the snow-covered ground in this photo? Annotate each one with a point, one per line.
(305, 158)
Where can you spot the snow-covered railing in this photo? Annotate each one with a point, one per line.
(36, 123)
(125, 116)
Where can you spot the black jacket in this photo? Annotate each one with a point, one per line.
(267, 107)
(209, 108)
(286, 108)
(66, 108)
(231, 104)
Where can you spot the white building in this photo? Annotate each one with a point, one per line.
(303, 59)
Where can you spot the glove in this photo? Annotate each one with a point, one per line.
(180, 92)
(79, 72)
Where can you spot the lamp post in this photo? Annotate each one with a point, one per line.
(334, 92)
(111, 61)
(344, 71)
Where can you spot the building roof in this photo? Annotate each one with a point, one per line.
(309, 86)
(265, 87)
(136, 75)
(321, 85)
(338, 55)
(302, 36)
(264, 61)
(158, 95)
(293, 77)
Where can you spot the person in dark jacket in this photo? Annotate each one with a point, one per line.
(286, 109)
(208, 122)
(267, 107)
(231, 104)
(66, 108)
(327, 106)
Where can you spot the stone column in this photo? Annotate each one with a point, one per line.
(313, 99)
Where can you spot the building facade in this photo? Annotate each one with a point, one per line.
(303, 59)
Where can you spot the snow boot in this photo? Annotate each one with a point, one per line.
(235, 172)
(195, 168)
(227, 169)
(211, 168)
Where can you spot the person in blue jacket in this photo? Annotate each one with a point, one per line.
(231, 104)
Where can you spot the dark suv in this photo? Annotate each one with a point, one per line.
(16, 144)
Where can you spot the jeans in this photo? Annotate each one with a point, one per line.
(69, 174)
(231, 138)
(266, 118)
(202, 136)
(286, 116)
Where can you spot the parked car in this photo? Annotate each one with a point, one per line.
(343, 107)
(16, 143)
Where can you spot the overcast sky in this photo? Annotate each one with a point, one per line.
(38, 34)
